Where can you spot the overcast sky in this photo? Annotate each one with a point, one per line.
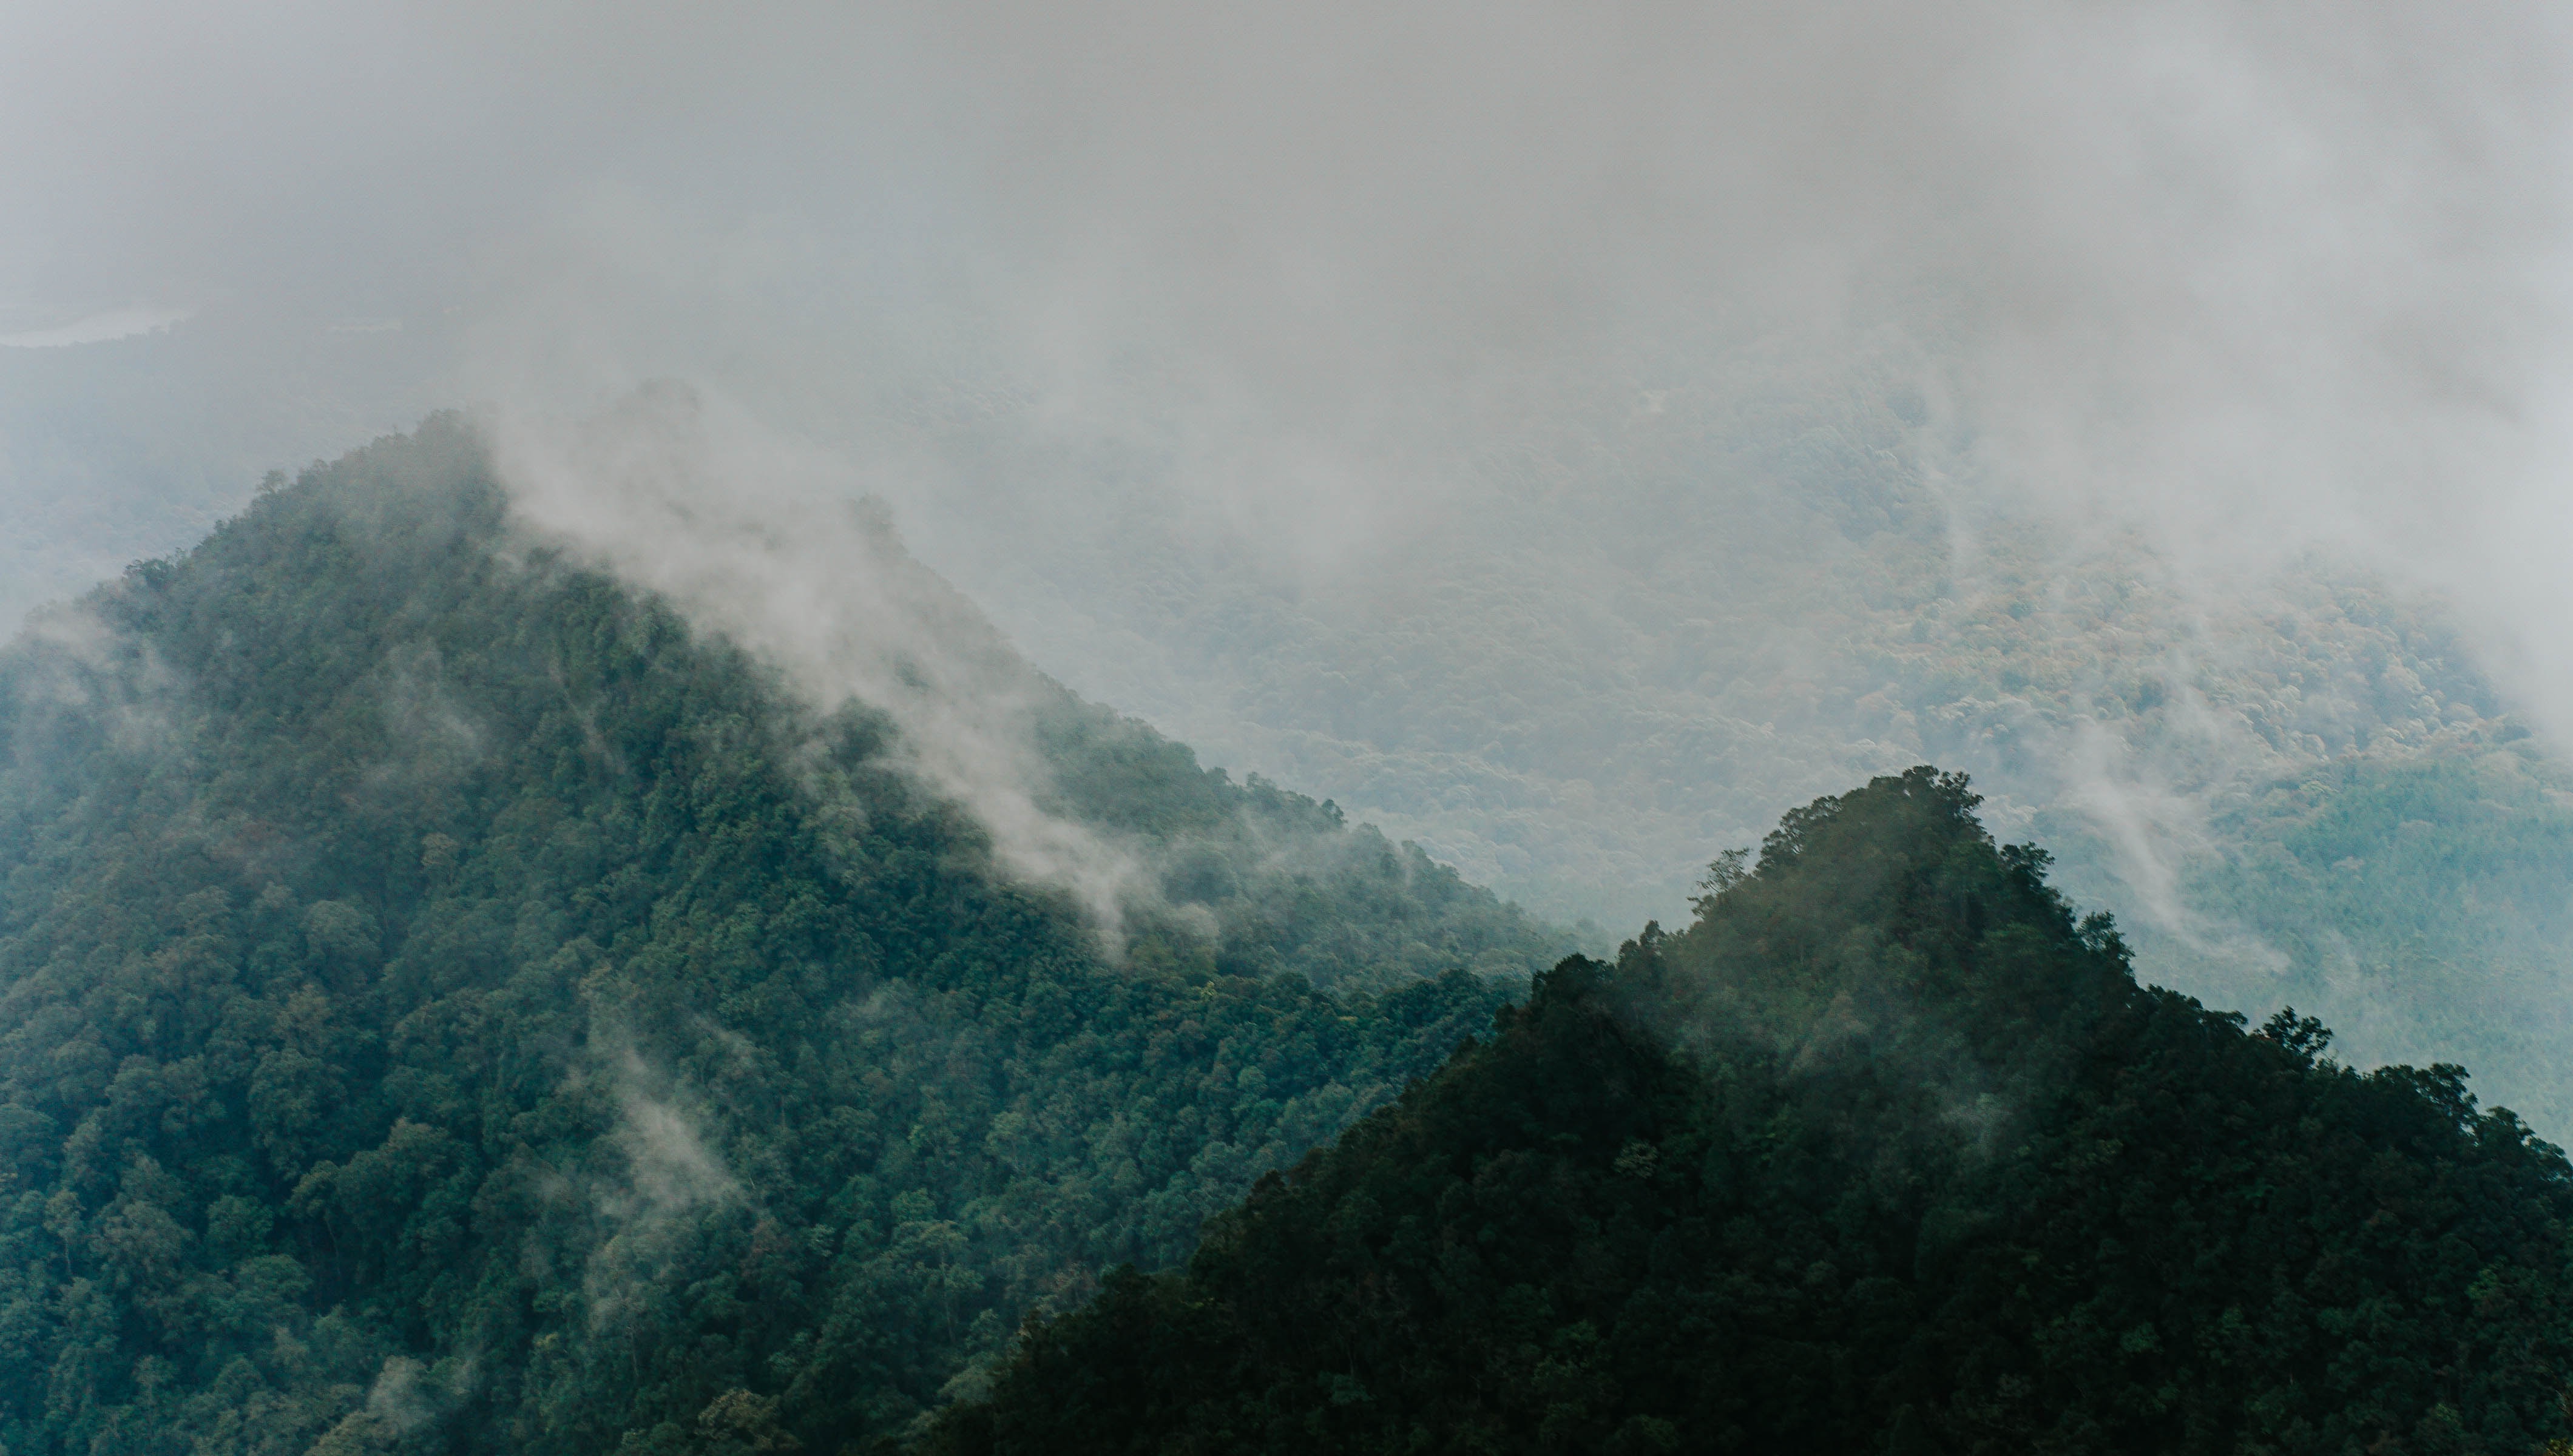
(2261, 274)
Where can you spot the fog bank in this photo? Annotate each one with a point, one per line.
(1351, 323)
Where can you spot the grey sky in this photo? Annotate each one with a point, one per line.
(2257, 275)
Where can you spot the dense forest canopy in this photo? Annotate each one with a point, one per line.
(1886, 1151)
(446, 1004)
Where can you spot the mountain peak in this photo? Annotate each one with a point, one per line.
(1886, 1152)
(455, 998)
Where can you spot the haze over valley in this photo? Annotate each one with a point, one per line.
(893, 651)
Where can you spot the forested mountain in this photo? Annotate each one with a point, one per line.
(446, 1004)
(449, 1003)
(1886, 1151)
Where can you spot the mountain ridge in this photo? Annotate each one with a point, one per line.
(450, 1003)
(1886, 1152)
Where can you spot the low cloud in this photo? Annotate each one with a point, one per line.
(671, 1176)
(1304, 298)
(768, 544)
(101, 328)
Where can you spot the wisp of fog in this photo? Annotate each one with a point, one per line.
(1362, 391)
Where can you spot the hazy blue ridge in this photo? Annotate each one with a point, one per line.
(1654, 622)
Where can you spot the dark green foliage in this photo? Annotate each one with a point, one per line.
(445, 1004)
(1886, 1152)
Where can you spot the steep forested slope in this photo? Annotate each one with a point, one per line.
(443, 1003)
(1886, 1152)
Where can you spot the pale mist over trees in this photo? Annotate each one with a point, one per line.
(999, 727)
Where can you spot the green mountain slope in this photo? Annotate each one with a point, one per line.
(446, 1005)
(1886, 1152)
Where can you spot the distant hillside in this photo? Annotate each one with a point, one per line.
(447, 1006)
(1885, 1152)
(1611, 644)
